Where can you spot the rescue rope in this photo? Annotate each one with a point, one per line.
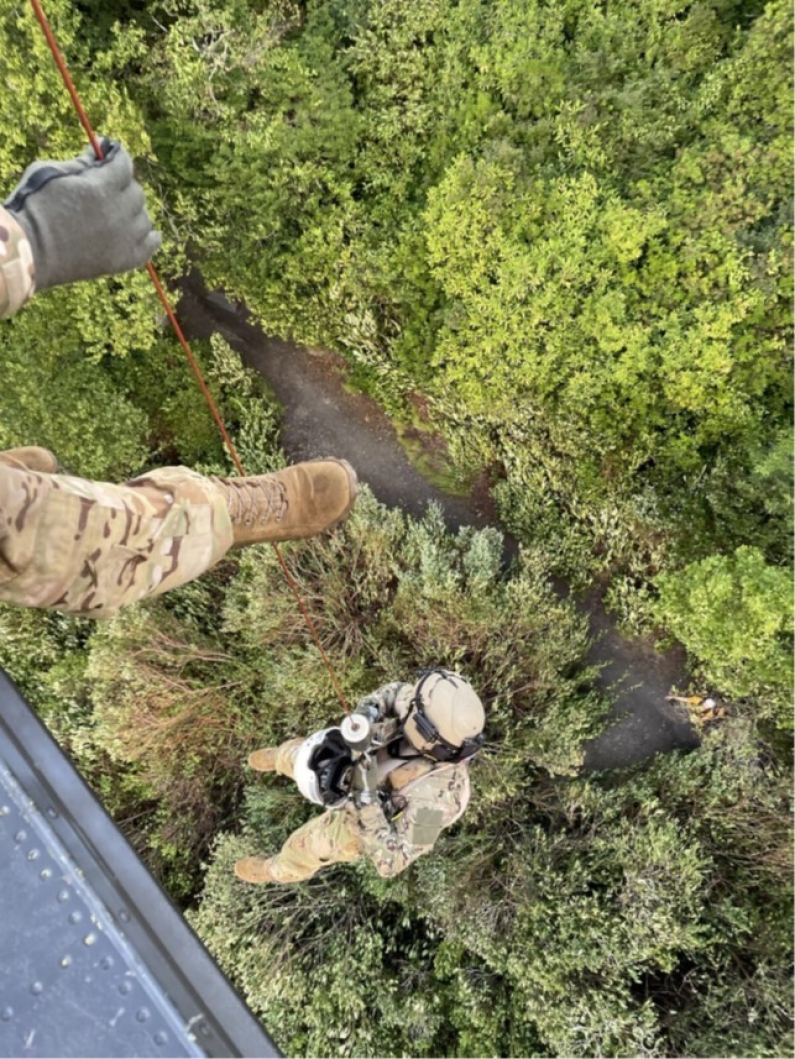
(94, 141)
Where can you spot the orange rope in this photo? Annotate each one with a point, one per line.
(94, 140)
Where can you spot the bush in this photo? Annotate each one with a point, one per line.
(563, 915)
(734, 614)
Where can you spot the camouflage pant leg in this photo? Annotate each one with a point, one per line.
(90, 548)
(285, 756)
(332, 838)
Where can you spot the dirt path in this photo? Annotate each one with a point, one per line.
(321, 418)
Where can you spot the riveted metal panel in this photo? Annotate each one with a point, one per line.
(94, 958)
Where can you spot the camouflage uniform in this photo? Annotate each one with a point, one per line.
(425, 797)
(90, 548)
(17, 277)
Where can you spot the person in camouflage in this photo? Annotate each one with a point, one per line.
(90, 548)
(425, 736)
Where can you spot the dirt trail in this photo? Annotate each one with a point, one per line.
(321, 418)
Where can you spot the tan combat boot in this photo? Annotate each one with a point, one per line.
(31, 458)
(299, 501)
(263, 760)
(254, 870)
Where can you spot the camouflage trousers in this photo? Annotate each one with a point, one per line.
(332, 838)
(90, 548)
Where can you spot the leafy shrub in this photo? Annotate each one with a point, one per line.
(734, 614)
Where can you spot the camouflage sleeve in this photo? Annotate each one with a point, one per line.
(392, 849)
(380, 704)
(426, 806)
(17, 276)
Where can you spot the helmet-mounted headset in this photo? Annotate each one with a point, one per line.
(441, 749)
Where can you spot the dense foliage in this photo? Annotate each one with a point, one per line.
(566, 226)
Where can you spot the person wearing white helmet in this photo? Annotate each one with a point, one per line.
(392, 777)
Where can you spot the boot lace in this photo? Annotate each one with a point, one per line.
(252, 500)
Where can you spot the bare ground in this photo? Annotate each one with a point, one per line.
(322, 418)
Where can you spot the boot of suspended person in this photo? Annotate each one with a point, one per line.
(299, 501)
(255, 870)
(264, 760)
(31, 458)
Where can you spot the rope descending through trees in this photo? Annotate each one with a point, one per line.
(94, 141)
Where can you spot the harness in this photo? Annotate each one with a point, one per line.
(411, 770)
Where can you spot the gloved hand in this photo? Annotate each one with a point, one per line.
(83, 218)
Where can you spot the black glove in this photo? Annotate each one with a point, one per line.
(83, 218)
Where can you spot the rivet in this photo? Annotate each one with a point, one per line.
(65, 962)
(90, 939)
(36, 988)
(161, 1037)
(34, 854)
(142, 1015)
(106, 963)
(75, 917)
(20, 836)
(125, 988)
(4, 810)
(46, 873)
(63, 895)
(6, 1014)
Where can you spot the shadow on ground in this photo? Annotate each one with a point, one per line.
(321, 418)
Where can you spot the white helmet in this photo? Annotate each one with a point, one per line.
(321, 768)
(446, 717)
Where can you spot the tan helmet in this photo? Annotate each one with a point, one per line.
(446, 718)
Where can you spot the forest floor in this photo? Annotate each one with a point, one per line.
(321, 417)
